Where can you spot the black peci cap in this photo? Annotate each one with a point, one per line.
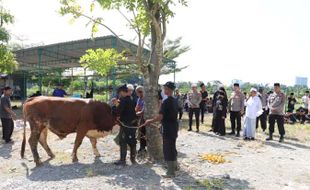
(122, 88)
(222, 93)
(276, 84)
(202, 84)
(292, 94)
(236, 84)
(307, 91)
(7, 88)
(170, 85)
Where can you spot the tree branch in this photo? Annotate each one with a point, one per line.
(136, 29)
(164, 25)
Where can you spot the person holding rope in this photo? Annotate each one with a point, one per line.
(128, 126)
(140, 114)
(168, 115)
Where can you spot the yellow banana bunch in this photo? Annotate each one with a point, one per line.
(213, 158)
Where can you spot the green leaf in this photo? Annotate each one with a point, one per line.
(101, 60)
(8, 63)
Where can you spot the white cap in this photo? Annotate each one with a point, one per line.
(139, 88)
(253, 90)
(194, 85)
(130, 87)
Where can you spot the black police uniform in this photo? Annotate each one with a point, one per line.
(170, 127)
(202, 104)
(220, 111)
(127, 134)
(291, 104)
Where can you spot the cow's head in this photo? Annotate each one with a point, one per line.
(102, 115)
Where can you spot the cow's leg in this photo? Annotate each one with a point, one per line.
(78, 141)
(94, 145)
(33, 142)
(43, 142)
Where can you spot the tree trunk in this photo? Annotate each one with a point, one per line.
(154, 138)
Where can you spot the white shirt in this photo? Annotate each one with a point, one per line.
(163, 95)
(253, 107)
(305, 100)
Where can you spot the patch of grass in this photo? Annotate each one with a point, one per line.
(211, 184)
(90, 172)
(188, 188)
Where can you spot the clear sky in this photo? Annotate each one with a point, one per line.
(261, 41)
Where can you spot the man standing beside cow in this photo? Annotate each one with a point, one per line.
(168, 115)
(128, 125)
(7, 115)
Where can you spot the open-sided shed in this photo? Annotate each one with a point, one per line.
(65, 55)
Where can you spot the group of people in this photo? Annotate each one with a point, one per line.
(129, 108)
(255, 106)
(301, 113)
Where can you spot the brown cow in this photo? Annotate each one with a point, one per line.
(63, 116)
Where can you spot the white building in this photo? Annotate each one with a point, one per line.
(301, 81)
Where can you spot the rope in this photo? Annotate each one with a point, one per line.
(134, 127)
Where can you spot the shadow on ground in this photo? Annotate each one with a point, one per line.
(134, 177)
(5, 150)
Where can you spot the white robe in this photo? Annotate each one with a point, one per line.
(253, 110)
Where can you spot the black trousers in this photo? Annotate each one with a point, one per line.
(169, 148)
(142, 134)
(127, 136)
(180, 112)
(280, 122)
(303, 117)
(218, 125)
(202, 112)
(193, 111)
(7, 129)
(263, 120)
(235, 116)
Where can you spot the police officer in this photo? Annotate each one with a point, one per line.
(128, 126)
(276, 103)
(168, 116)
(236, 109)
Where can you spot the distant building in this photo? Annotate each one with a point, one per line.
(301, 81)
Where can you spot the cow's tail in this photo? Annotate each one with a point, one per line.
(22, 152)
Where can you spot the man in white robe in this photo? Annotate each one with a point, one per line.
(253, 110)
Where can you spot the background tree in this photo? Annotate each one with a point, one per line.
(148, 18)
(172, 50)
(7, 59)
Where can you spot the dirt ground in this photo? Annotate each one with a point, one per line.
(249, 165)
